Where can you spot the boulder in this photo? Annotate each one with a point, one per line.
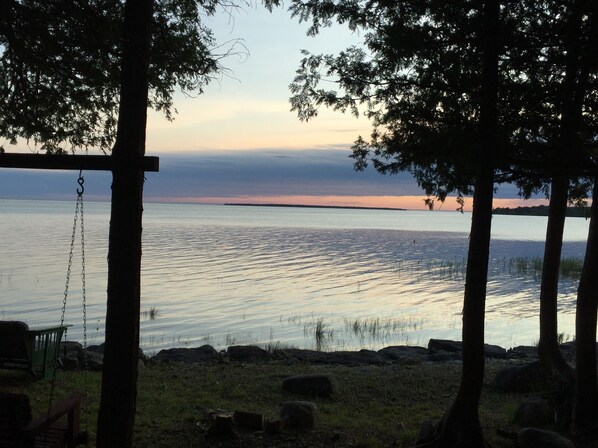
(444, 356)
(534, 412)
(491, 351)
(519, 377)
(69, 354)
(70, 362)
(247, 353)
(534, 438)
(187, 355)
(522, 352)
(404, 354)
(70, 347)
(347, 358)
(221, 425)
(311, 385)
(298, 415)
(100, 349)
(250, 421)
(427, 431)
(89, 360)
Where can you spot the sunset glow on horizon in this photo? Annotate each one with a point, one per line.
(398, 202)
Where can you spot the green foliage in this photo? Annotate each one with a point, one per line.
(60, 65)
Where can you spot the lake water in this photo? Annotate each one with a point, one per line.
(234, 275)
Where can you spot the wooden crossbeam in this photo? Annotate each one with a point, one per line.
(70, 162)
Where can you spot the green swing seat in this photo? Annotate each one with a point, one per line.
(35, 350)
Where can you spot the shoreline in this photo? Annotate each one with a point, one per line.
(341, 207)
(73, 357)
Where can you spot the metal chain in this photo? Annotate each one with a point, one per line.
(70, 262)
(83, 290)
(78, 210)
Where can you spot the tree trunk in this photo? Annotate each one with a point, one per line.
(581, 61)
(585, 410)
(460, 426)
(119, 381)
(549, 352)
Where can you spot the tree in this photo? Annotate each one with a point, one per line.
(60, 66)
(428, 78)
(53, 55)
(425, 110)
(554, 86)
(585, 411)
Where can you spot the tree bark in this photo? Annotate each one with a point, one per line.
(585, 410)
(119, 381)
(460, 426)
(551, 358)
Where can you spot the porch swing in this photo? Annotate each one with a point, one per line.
(37, 351)
(25, 432)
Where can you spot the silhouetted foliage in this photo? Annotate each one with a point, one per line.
(420, 78)
(428, 79)
(60, 65)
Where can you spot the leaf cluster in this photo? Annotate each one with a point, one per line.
(417, 77)
(60, 65)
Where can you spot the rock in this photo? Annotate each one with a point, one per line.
(494, 351)
(70, 362)
(568, 350)
(70, 346)
(534, 412)
(96, 348)
(444, 356)
(221, 425)
(522, 351)
(404, 354)
(91, 360)
(426, 433)
(299, 415)
(519, 378)
(272, 427)
(187, 355)
(534, 438)
(247, 353)
(491, 351)
(446, 345)
(100, 349)
(346, 358)
(68, 355)
(250, 421)
(316, 384)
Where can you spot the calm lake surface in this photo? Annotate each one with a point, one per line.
(263, 275)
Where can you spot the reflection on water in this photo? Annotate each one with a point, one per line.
(224, 275)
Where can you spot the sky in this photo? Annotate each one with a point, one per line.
(239, 141)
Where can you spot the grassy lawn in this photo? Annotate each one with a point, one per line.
(374, 406)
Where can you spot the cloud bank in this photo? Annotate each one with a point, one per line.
(230, 175)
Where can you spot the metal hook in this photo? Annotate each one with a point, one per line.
(80, 181)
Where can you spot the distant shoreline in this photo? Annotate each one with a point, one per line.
(346, 207)
(540, 210)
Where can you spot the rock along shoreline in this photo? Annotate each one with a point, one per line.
(73, 357)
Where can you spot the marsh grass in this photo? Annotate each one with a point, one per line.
(152, 313)
(375, 406)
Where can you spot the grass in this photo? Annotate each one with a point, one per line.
(375, 406)
(152, 313)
